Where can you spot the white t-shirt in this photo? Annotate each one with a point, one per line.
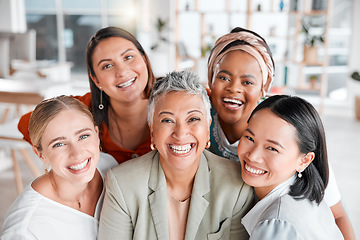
(33, 216)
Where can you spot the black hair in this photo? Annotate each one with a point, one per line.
(104, 33)
(310, 138)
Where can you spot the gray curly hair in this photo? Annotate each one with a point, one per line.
(177, 81)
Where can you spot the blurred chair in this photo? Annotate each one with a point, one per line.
(12, 142)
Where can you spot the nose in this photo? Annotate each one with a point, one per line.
(254, 154)
(180, 131)
(75, 151)
(120, 69)
(235, 86)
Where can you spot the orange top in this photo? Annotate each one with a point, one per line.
(107, 145)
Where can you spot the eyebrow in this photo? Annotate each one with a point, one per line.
(170, 113)
(269, 140)
(122, 54)
(62, 137)
(242, 76)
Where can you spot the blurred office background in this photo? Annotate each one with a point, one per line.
(315, 45)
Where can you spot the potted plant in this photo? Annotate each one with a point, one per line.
(161, 26)
(159, 55)
(312, 40)
(313, 79)
(356, 77)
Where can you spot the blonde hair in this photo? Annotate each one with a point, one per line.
(47, 110)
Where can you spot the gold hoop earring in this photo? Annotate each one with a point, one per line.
(208, 144)
(152, 146)
(101, 106)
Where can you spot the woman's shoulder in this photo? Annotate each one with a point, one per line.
(106, 161)
(42, 185)
(86, 99)
(221, 164)
(287, 207)
(133, 168)
(226, 174)
(22, 213)
(299, 216)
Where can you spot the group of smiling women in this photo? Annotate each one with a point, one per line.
(167, 158)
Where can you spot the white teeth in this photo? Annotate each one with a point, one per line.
(181, 149)
(255, 171)
(79, 166)
(126, 84)
(234, 101)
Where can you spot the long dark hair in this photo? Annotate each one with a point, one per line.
(310, 138)
(104, 33)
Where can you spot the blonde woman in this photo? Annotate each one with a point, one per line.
(65, 202)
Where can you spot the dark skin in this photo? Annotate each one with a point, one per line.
(237, 66)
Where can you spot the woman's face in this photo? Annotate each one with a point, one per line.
(120, 69)
(268, 152)
(180, 130)
(237, 87)
(70, 145)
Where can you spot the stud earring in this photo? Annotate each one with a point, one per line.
(101, 106)
(152, 146)
(46, 168)
(208, 144)
(299, 174)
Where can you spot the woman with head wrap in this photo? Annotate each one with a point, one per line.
(240, 73)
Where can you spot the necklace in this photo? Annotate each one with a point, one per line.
(53, 184)
(178, 199)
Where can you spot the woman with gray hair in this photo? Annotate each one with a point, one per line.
(179, 190)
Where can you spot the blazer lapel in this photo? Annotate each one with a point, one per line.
(158, 199)
(198, 204)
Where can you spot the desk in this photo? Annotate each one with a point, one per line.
(29, 92)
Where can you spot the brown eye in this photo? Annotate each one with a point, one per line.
(107, 66)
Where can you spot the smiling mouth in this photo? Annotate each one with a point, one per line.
(80, 165)
(127, 83)
(254, 171)
(181, 149)
(231, 102)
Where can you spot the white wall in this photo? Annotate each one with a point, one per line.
(12, 16)
(162, 59)
(354, 59)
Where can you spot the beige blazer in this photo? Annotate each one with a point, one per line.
(135, 204)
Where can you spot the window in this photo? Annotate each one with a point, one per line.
(75, 22)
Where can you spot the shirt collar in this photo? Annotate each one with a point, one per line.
(252, 217)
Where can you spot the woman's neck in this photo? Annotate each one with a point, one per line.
(67, 191)
(233, 132)
(82, 197)
(128, 124)
(180, 183)
(130, 111)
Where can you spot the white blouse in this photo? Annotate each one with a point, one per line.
(33, 216)
(279, 216)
